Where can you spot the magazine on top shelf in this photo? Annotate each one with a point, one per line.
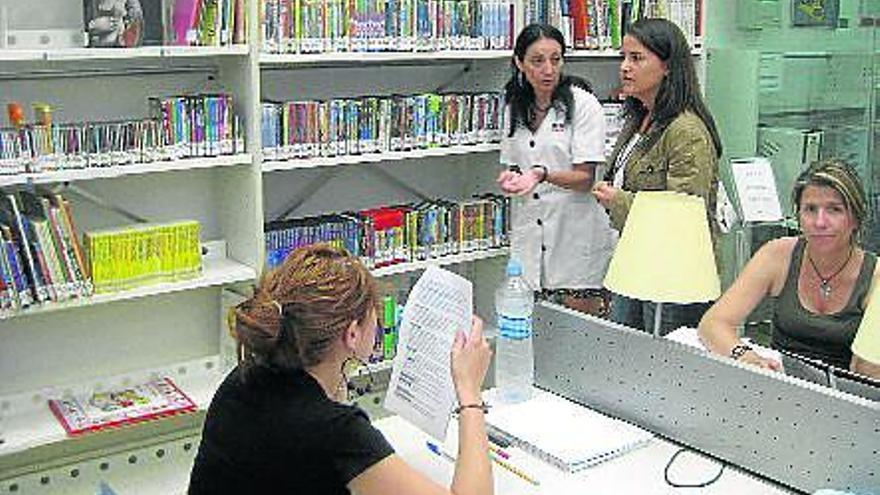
(157, 398)
(133, 23)
(125, 23)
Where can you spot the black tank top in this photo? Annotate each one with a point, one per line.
(825, 337)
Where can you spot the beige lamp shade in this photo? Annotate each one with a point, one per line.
(867, 342)
(665, 254)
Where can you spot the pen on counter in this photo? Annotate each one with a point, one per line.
(515, 470)
(437, 450)
(498, 440)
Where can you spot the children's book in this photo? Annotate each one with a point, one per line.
(82, 413)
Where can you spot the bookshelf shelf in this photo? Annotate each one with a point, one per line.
(145, 52)
(270, 60)
(124, 170)
(442, 261)
(353, 58)
(281, 165)
(28, 427)
(215, 272)
(608, 54)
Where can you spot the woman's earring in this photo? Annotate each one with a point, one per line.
(520, 79)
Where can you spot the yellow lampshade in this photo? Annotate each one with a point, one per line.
(664, 254)
(867, 342)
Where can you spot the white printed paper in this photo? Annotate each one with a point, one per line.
(756, 189)
(421, 389)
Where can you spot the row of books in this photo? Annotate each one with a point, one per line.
(132, 23)
(181, 127)
(42, 259)
(304, 129)
(390, 235)
(143, 254)
(198, 125)
(601, 24)
(320, 26)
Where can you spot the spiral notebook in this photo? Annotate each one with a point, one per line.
(563, 433)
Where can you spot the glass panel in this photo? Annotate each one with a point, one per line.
(795, 81)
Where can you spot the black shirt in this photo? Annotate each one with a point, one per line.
(278, 432)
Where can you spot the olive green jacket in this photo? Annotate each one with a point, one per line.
(680, 157)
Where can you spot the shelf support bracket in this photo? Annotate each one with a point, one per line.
(97, 201)
(311, 189)
(396, 181)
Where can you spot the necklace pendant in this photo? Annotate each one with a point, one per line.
(824, 289)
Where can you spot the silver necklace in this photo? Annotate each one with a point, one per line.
(825, 282)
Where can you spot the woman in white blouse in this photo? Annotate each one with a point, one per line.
(555, 138)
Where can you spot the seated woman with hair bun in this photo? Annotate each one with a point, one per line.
(279, 424)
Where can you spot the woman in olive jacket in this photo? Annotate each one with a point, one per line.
(669, 142)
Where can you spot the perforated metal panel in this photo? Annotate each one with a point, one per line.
(797, 433)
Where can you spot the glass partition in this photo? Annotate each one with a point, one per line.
(794, 81)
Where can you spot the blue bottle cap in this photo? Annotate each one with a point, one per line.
(514, 268)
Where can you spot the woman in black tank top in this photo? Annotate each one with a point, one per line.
(819, 280)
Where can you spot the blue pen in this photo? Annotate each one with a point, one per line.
(437, 450)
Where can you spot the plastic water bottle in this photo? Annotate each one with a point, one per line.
(514, 357)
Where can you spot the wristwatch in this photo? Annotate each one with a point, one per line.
(738, 351)
(544, 172)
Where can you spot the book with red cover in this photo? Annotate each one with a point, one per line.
(95, 411)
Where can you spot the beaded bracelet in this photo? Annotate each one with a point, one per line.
(482, 406)
(738, 351)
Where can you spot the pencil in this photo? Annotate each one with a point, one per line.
(515, 470)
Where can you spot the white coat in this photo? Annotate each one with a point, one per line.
(562, 237)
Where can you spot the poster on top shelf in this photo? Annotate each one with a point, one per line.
(815, 12)
(125, 23)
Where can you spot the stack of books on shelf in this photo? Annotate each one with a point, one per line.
(320, 26)
(304, 129)
(188, 126)
(391, 235)
(129, 24)
(42, 259)
(601, 24)
(132, 256)
(100, 410)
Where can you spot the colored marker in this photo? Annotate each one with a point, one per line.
(437, 450)
(499, 452)
(515, 470)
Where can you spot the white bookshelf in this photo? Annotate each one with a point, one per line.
(281, 59)
(168, 329)
(92, 173)
(146, 52)
(215, 272)
(30, 424)
(392, 156)
(452, 259)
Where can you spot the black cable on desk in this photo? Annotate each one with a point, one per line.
(688, 485)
